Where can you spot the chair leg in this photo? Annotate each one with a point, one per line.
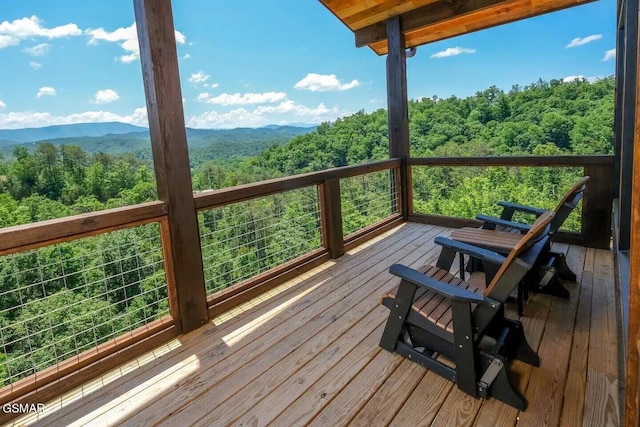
(399, 311)
(560, 264)
(550, 283)
(518, 346)
(501, 387)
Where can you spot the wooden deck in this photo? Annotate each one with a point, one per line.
(307, 354)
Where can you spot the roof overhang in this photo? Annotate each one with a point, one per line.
(426, 21)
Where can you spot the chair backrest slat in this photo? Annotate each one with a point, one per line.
(568, 203)
(539, 228)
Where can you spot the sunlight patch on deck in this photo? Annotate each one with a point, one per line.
(240, 333)
(238, 310)
(124, 405)
(98, 383)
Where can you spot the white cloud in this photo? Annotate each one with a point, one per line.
(38, 50)
(298, 110)
(12, 33)
(35, 65)
(25, 119)
(105, 96)
(2, 105)
(323, 82)
(609, 55)
(581, 77)
(284, 113)
(579, 41)
(186, 56)
(199, 77)
(129, 38)
(452, 51)
(573, 78)
(202, 97)
(46, 91)
(244, 99)
(211, 85)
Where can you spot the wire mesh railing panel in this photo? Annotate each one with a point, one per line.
(464, 192)
(63, 299)
(367, 199)
(245, 239)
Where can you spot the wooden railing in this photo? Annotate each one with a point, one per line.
(72, 372)
(54, 380)
(334, 242)
(597, 204)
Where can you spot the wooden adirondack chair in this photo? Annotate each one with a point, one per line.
(434, 314)
(501, 235)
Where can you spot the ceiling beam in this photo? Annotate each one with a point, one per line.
(424, 16)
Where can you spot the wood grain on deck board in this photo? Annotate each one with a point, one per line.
(310, 355)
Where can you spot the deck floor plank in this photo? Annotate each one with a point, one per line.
(423, 404)
(545, 391)
(459, 409)
(307, 354)
(383, 406)
(327, 296)
(301, 345)
(349, 401)
(601, 401)
(160, 371)
(575, 384)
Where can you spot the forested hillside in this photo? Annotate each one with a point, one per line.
(60, 300)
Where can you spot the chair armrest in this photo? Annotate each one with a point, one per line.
(503, 222)
(484, 255)
(522, 208)
(454, 293)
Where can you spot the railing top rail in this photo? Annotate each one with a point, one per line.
(24, 237)
(224, 196)
(595, 160)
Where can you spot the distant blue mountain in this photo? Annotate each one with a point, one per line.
(68, 131)
(119, 138)
(83, 130)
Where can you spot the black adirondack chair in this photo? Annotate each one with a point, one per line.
(435, 314)
(497, 234)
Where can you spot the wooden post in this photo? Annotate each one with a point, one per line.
(632, 360)
(617, 120)
(628, 119)
(397, 109)
(597, 206)
(331, 209)
(158, 57)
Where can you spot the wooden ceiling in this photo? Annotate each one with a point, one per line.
(425, 21)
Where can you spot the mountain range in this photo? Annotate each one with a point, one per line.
(119, 138)
(67, 131)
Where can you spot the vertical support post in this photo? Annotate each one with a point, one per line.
(398, 109)
(158, 57)
(628, 119)
(597, 206)
(617, 119)
(169, 270)
(331, 209)
(632, 359)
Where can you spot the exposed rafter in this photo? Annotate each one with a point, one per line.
(427, 21)
(424, 16)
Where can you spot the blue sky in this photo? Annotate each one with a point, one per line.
(249, 63)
